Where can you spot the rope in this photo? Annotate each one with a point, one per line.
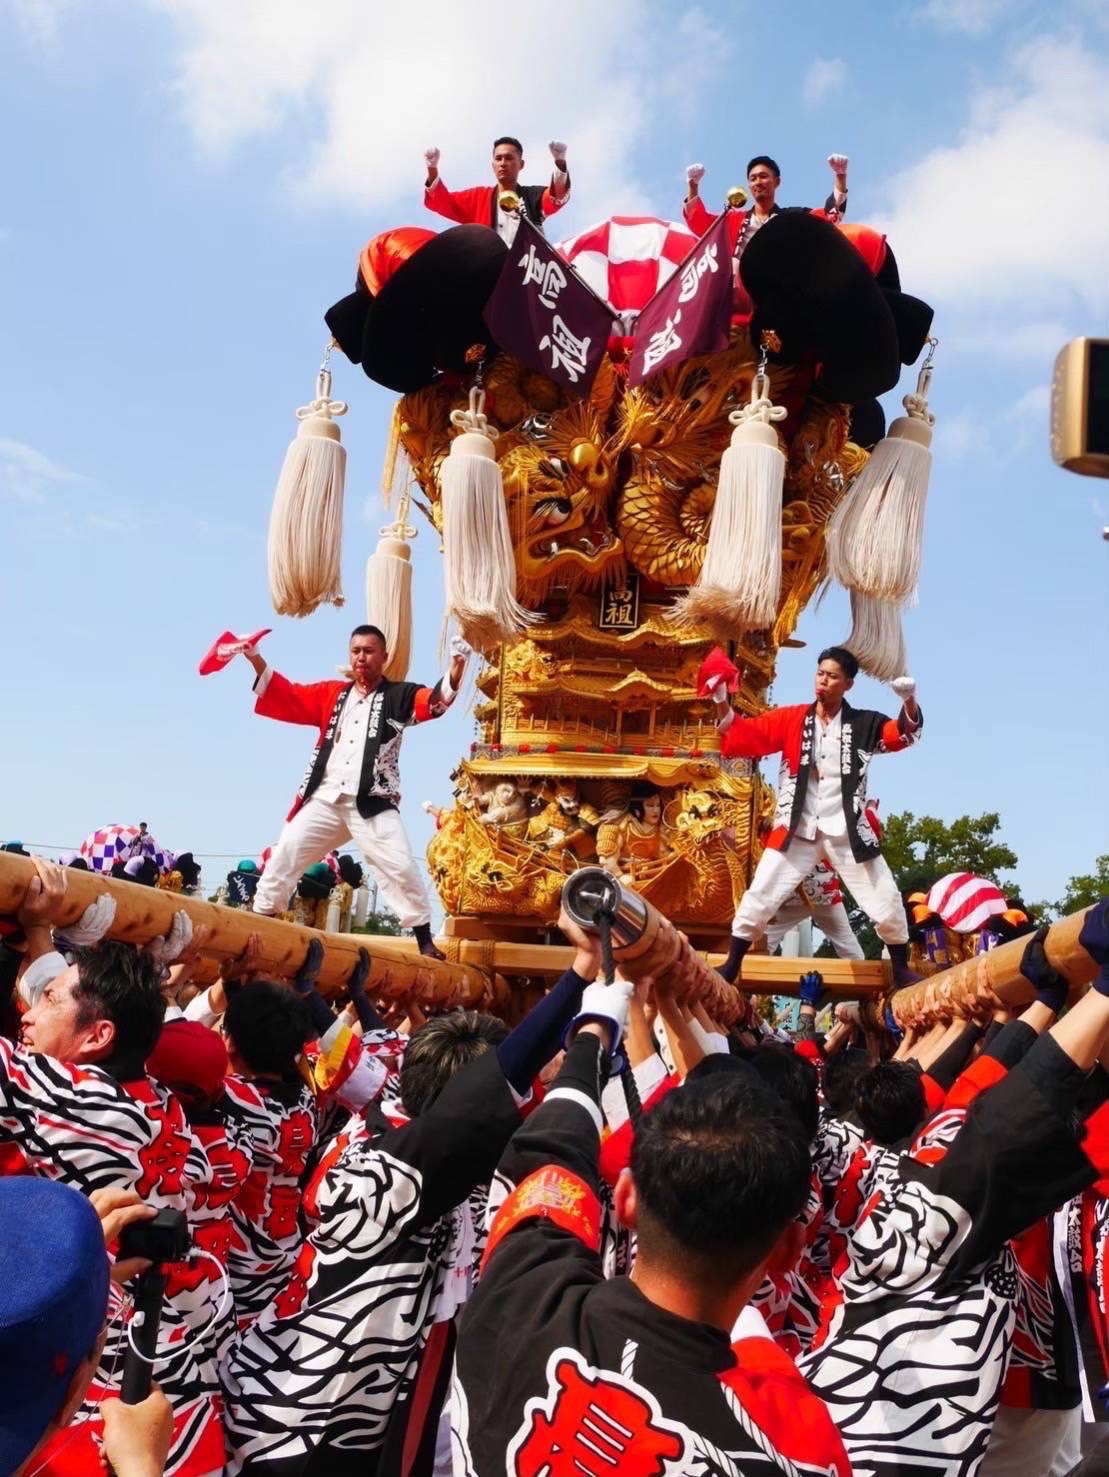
(631, 1096)
(602, 920)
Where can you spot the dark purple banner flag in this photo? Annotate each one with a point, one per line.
(691, 312)
(543, 314)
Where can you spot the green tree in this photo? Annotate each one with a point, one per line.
(1084, 890)
(921, 849)
(382, 922)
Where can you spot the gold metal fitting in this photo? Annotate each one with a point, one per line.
(736, 197)
(508, 200)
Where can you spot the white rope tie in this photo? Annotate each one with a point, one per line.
(916, 404)
(474, 418)
(323, 403)
(761, 407)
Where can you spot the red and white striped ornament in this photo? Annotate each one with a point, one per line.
(966, 902)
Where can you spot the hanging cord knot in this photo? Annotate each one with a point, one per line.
(473, 419)
(760, 406)
(916, 404)
(401, 529)
(323, 403)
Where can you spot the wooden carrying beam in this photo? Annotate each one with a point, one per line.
(844, 979)
(397, 971)
(999, 970)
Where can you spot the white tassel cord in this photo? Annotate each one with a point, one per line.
(877, 640)
(306, 524)
(876, 535)
(741, 577)
(479, 562)
(389, 595)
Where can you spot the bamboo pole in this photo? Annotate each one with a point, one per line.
(999, 970)
(397, 971)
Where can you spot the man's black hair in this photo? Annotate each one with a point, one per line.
(506, 138)
(847, 661)
(793, 1078)
(889, 1100)
(842, 1071)
(771, 164)
(121, 984)
(268, 1024)
(370, 631)
(438, 1049)
(720, 1168)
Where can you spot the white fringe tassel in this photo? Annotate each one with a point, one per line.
(741, 577)
(876, 535)
(306, 524)
(877, 640)
(389, 596)
(478, 559)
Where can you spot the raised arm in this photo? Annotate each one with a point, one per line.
(556, 196)
(289, 702)
(837, 200)
(904, 730)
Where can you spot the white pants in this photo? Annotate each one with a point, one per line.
(780, 872)
(321, 825)
(1033, 1443)
(831, 919)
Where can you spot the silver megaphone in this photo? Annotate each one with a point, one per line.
(591, 892)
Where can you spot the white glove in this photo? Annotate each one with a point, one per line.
(607, 1004)
(837, 163)
(93, 923)
(176, 941)
(904, 687)
(38, 975)
(718, 690)
(695, 173)
(462, 648)
(431, 158)
(558, 151)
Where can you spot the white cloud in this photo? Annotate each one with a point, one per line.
(1031, 406)
(1038, 339)
(1009, 225)
(359, 93)
(824, 78)
(37, 19)
(29, 476)
(969, 17)
(956, 436)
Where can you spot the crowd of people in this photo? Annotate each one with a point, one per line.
(618, 1237)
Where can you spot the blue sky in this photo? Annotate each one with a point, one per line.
(186, 185)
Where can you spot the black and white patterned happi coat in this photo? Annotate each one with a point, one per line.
(338, 1350)
(917, 1336)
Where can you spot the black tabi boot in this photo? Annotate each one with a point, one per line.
(425, 943)
(730, 969)
(902, 974)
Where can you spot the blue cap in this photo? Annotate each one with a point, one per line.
(53, 1299)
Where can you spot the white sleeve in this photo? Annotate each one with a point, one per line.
(200, 1009)
(262, 682)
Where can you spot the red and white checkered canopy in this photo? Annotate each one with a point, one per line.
(627, 258)
(966, 902)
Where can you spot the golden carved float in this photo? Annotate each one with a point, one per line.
(592, 744)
